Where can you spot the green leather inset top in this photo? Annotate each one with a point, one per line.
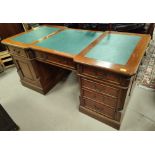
(114, 48)
(70, 41)
(35, 34)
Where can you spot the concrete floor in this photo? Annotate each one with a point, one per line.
(58, 110)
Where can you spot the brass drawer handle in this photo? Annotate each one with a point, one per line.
(62, 60)
(45, 57)
(18, 52)
(13, 51)
(41, 55)
(97, 88)
(100, 76)
(98, 109)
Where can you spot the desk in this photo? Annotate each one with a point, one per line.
(106, 64)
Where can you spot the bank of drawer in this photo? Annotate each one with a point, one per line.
(106, 100)
(99, 108)
(104, 75)
(17, 51)
(100, 87)
(55, 59)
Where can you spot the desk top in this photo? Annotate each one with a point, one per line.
(25, 39)
(69, 41)
(36, 34)
(116, 51)
(114, 48)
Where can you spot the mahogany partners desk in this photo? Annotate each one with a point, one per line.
(106, 64)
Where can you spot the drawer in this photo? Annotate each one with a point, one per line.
(101, 88)
(17, 51)
(55, 59)
(104, 99)
(104, 75)
(99, 108)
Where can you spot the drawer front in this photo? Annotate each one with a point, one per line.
(106, 100)
(99, 108)
(55, 59)
(17, 51)
(103, 75)
(100, 87)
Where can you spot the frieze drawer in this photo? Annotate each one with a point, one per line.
(108, 100)
(103, 75)
(99, 108)
(100, 88)
(55, 59)
(17, 51)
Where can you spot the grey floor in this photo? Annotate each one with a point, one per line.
(58, 110)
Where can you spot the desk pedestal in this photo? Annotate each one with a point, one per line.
(36, 75)
(104, 95)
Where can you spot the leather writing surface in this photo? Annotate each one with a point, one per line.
(114, 48)
(70, 41)
(35, 34)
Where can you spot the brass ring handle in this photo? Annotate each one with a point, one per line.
(62, 60)
(97, 88)
(45, 56)
(97, 108)
(101, 76)
(18, 52)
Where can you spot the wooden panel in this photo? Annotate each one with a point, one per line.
(26, 70)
